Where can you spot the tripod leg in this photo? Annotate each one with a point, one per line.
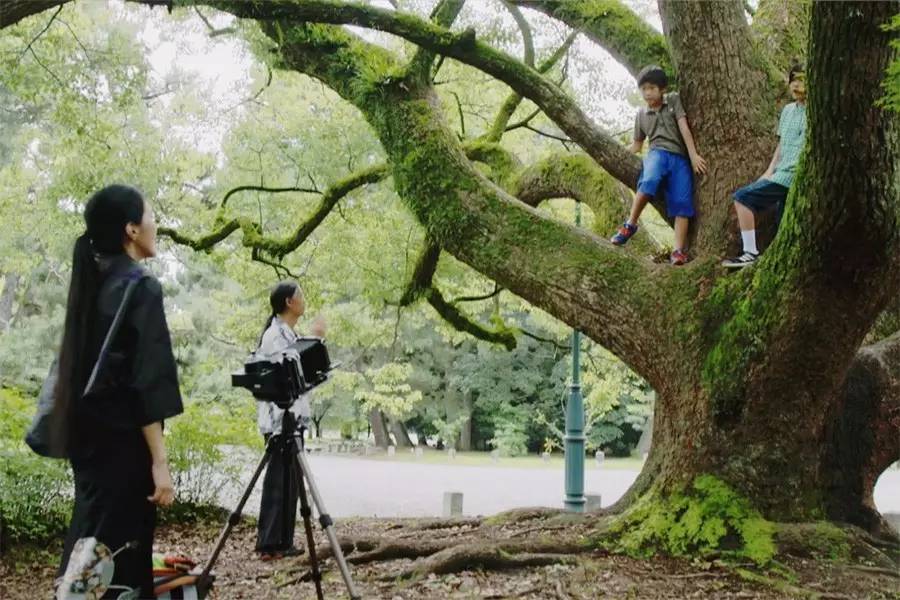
(306, 513)
(326, 522)
(203, 582)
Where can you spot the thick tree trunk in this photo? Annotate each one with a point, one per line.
(401, 436)
(863, 435)
(379, 429)
(465, 432)
(317, 423)
(769, 391)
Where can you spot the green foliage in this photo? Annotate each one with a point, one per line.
(35, 496)
(389, 391)
(891, 99)
(510, 438)
(194, 443)
(709, 518)
(35, 492)
(347, 430)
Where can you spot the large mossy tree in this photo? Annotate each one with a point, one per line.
(763, 380)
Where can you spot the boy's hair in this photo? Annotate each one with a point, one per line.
(653, 74)
(797, 71)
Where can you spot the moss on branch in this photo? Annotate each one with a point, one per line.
(274, 247)
(577, 176)
(612, 25)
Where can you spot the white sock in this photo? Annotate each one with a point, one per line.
(749, 238)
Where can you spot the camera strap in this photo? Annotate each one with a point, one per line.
(133, 278)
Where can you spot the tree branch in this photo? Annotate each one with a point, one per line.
(13, 11)
(581, 279)
(512, 102)
(461, 322)
(525, 28)
(260, 188)
(421, 285)
(611, 25)
(422, 275)
(464, 47)
(41, 32)
(443, 15)
(278, 248)
(576, 176)
(497, 290)
(213, 32)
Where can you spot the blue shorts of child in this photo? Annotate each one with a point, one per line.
(763, 194)
(673, 172)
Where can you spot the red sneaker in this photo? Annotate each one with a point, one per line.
(678, 257)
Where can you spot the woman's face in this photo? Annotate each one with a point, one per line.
(296, 305)
(142, 236)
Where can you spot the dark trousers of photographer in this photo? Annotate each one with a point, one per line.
(278, 508)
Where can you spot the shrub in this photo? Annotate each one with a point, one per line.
(35, 492)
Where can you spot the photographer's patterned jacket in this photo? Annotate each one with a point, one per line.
(276, 341)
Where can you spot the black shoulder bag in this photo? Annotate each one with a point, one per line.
(38, 435)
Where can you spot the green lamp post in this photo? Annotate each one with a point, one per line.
(574, 439)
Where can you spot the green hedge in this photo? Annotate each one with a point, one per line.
(36, 493)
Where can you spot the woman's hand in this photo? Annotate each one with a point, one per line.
(164, 495)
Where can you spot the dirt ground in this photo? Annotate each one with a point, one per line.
(27, 573)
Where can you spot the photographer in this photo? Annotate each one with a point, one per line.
(278, 507)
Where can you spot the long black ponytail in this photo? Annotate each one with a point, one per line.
(106, 215)
(278, 298)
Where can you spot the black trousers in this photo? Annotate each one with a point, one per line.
(111, 505)
(278, 507)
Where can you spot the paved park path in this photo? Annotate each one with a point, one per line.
(383, 488)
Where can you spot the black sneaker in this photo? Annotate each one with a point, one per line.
(739, 262)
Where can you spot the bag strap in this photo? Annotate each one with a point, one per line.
(133, 278)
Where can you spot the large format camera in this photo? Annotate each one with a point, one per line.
(299, 368)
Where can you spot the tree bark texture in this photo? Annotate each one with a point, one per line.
(379, 429)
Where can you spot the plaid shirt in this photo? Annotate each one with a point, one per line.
(792, 132)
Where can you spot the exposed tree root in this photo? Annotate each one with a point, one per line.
(494, 556)
(518, 515)
(845, 542)
(348, 546)
(398, 550)
(876, 570)
(436, 524)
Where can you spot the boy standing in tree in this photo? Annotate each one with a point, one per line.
(772, 188)
(664, 122)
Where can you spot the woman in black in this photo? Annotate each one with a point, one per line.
(113, 437)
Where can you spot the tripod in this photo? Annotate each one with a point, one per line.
(286, 443)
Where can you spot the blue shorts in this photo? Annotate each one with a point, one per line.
(761, 195)
(673, 171)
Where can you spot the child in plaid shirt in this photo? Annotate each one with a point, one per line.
(772, 188)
